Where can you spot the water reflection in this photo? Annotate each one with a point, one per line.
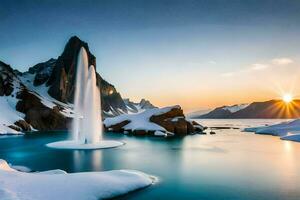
(87, 159)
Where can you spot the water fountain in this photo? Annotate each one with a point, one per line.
(87, 123)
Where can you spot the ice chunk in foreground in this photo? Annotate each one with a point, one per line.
(15, 185)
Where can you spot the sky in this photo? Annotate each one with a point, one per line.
(198, 54)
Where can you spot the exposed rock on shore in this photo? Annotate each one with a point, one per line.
(156, 121)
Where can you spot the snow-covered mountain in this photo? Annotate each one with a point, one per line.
(26, 107)
(222, 112)
(131, 107)
(268, 109)
(41, 98)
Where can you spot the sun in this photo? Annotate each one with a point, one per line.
(287, 98)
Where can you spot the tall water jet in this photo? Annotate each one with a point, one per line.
(87, 123)
(91, 112)
(80, 86)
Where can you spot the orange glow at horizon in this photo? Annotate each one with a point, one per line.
(205, 89)
(287, 98)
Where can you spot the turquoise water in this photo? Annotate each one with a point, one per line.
(228, 165)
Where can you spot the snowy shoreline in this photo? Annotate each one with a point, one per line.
(59, 185)
(286, 130)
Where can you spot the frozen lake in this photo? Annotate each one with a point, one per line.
(229, 165)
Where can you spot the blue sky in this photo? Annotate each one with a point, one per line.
(197, 54)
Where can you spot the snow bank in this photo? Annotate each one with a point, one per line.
(20, 168)
(8, 115)
(16, 185)
(139, 121)
(286, 130)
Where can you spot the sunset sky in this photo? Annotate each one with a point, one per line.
(198, 54)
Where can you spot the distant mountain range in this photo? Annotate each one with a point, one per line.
(41, 98)
(273, 109)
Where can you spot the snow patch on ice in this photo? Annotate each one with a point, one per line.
(16, 185)
(286, 130)
(292, 137)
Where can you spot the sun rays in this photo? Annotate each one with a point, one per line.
(287, 98)
(288, 108)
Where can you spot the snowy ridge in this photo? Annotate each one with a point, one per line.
(133, 107)
(235, 108)
(57, 184)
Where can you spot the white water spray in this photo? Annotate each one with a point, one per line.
(87, 123)
(91, 128)
(87, 126)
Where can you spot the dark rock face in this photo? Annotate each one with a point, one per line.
(118, 127)
(39, 116)
(173, 121)
(45, 119)
(43, 71)
(198, 128)
(24, 126)
(140, 132)
(16, 128)
(174, 112)
(6, 79)
(62, 78)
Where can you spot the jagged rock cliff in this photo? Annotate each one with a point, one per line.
(59, 75)
(41, 98)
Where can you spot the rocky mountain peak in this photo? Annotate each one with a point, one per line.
(70, 53)
(59, 76)
(40, 97)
